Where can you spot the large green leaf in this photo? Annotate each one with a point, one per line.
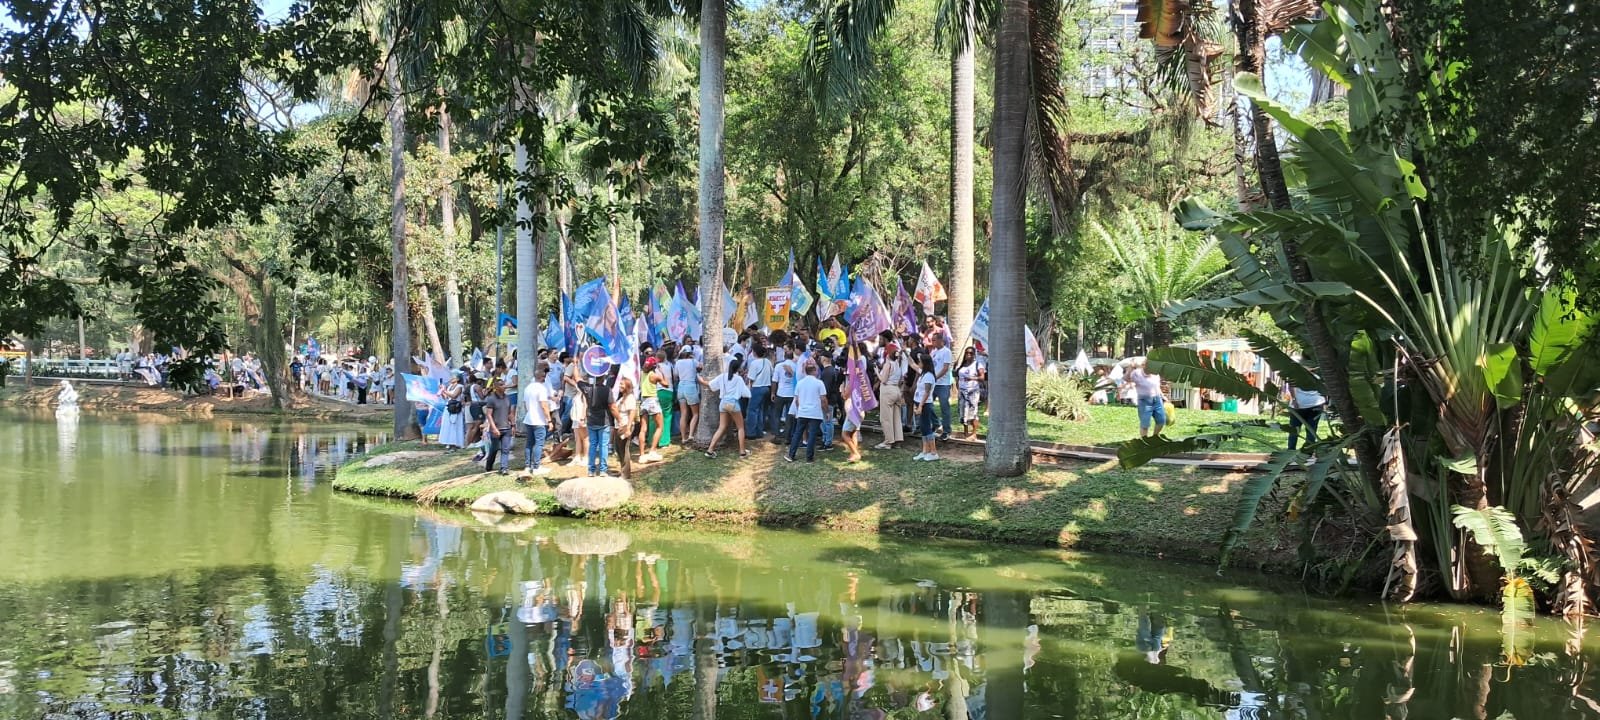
(1250, 496)
(1298, 375)
(1182, 365)
(1366, 379)
(1320, 44)
(1141, 451)
(1502, 373)
(1558, 329)
(1323, 153)
(1495, 530)
(1263, 298)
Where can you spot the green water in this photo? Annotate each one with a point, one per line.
(158, 569)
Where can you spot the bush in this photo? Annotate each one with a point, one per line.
(1062, 396)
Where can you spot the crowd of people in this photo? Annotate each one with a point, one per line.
(350, 379)
(791, 387)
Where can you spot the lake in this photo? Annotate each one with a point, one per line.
(160, 568)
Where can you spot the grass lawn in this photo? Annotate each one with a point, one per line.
(1111, 424)
(1173, 512)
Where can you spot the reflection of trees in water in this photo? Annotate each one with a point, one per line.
(700, 636)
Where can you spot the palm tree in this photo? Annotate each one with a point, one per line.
(1006, 452)
(1164, 264)
(447, 221)
(713, 211)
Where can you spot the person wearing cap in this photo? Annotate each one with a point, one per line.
(650, 411)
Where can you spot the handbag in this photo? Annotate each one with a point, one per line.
(453, 407)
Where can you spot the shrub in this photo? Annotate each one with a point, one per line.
(1062, 396)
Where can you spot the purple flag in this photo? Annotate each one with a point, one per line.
(870, 316)
(904, 317)
(859, 398)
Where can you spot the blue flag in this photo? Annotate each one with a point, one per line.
(589, 300)
(554, 337)
(569, 337)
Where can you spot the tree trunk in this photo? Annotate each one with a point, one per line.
(1331, 364)
(564, 250)
(527, 274)
(963, 255)
(269, 342)
(429, 325)
(400, 341)
(1006, 452)
(713, 53)
(447, 221)
(1160, 333)
(611, 228)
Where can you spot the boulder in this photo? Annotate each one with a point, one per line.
(593, 493)
(505, 502)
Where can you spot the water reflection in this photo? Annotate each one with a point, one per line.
(212, 575)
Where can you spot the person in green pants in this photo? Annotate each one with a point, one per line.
(662, 378)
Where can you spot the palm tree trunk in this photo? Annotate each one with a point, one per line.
(400, 342)
(527, 274)
(447, 220)
(1331, 363)
(963, 255)
(1160, 333)
(713, 78)
(1006, 452)
(564, 249)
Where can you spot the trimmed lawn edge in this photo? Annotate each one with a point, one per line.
(1122, 515)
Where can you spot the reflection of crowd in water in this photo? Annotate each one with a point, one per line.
(614, 629)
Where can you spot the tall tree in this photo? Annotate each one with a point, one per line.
(963, 254)
(713, 210)
(1006, 452)
(400, 337)
(447, 222)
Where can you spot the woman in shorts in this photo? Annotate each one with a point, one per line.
(650, 411)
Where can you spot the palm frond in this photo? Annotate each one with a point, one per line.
(1250, 496)
(1298, 375)
(1401, 583)
(1264, 298)
(960, 22)
(1495, 530)
(1048, 116)
(838, 57)
(1183, 365)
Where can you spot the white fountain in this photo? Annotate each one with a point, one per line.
(67, 401)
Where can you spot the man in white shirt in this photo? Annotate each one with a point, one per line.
(810, 407)
(759, 370)
(943, 362)
(1152, 403)
(536, 413)
(783, 380)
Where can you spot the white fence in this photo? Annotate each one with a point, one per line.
(49, 367)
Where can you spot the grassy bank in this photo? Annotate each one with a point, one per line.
(1172, 512)
(1112, 424)
(143, 399)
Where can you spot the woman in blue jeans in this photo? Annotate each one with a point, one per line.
(1152, 403)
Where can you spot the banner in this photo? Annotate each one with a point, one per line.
(507, 333)
(424, 392)
(313, 349)
(588, 301)
(929, 289)
(980, 326)
(678, 316)
(775, 311)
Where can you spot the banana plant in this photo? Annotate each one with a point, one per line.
(1495, 529)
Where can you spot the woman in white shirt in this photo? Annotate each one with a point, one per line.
(687, 374)
(453, 429)
(730, 388)
(922, 404)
